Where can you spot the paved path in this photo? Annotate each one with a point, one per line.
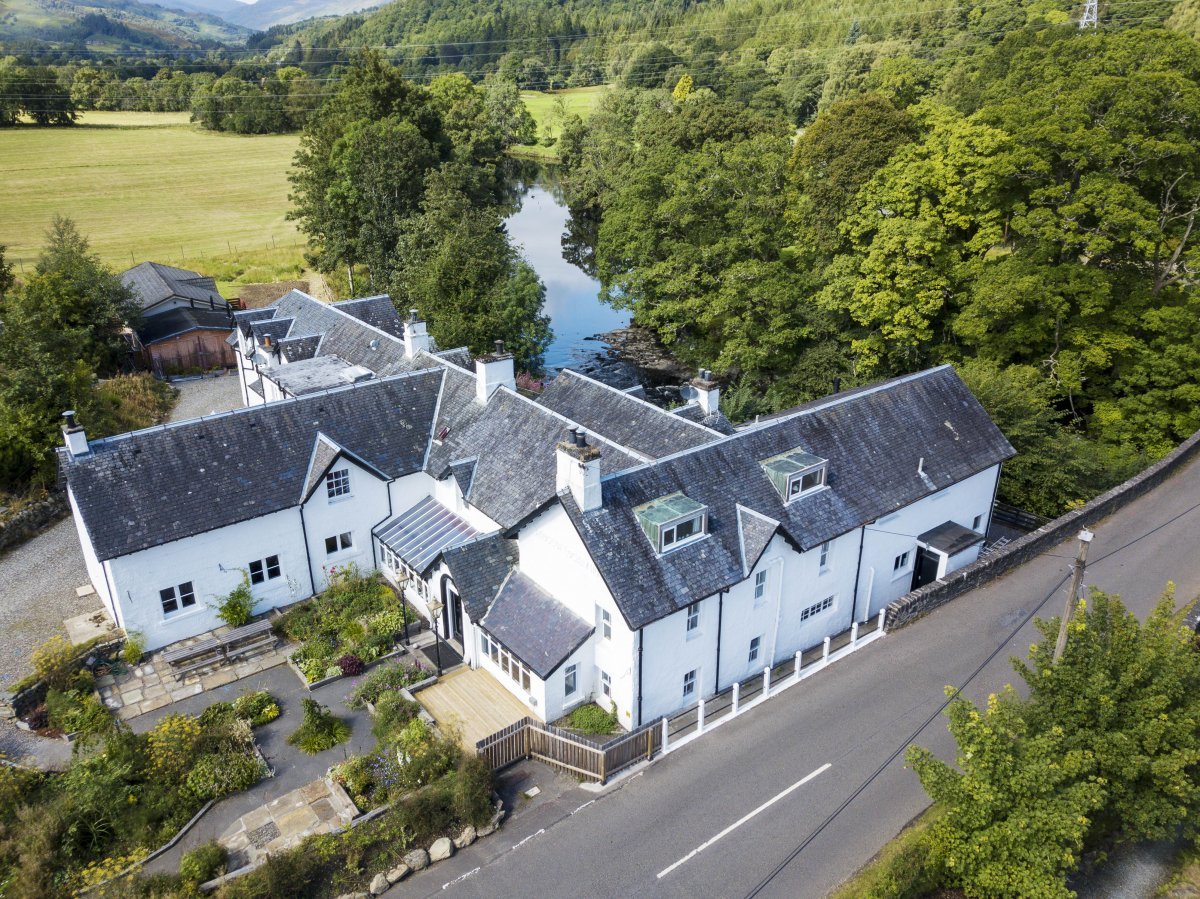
(752, 809)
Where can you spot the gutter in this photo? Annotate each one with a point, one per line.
(862, 536)
(312, 581)
(641, 641)
(720, 619)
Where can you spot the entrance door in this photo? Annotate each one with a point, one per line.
(926, 568)
(452, 612)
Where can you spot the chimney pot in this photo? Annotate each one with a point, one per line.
(69, 415)
(581, 438)
(837, 384)
(499, 347)
(412, 315)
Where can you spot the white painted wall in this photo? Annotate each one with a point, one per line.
(554, 557)
(358, 513)
(670, 651)
(894, 534)
(96, 571)
(214, 562)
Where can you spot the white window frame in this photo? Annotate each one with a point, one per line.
(823, 562)
(760, 587)
(671, 528)
(570, 680)
(510, 666)
(604, 622)
(901, 565)
(755, 646)
(689, 683)
(337, 484)
(183, 599)
(817, 608)
(692, 627)
(341, 543)
(795, 482)
(606, 683)
(265, 566)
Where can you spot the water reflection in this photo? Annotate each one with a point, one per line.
(572, 295)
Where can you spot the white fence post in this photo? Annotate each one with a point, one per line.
(767, 681)
(825, 651)
(854, 633)
(882, 615)
(700, 717)
(737, 689)
(797, 664)
(666, 730)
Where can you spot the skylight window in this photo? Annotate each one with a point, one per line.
(672, 521)
(795, 474)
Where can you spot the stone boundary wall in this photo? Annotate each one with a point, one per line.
(925, 599)
(32, 519)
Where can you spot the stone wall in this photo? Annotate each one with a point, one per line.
(919, 602)
(32, 519)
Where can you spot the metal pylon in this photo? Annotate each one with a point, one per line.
(1091, 14)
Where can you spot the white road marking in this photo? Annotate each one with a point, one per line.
(585, 805)
(460, 877)
(528, 838)
(738, 823)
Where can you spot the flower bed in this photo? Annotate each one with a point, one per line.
(353, 623)
(122, 795)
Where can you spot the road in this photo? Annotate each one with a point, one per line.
(737, 796)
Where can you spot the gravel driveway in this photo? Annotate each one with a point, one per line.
(38, 578)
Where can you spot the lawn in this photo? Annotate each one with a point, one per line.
(544, 108)
(144, 185)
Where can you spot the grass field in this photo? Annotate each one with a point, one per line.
(146, 186)
(546, 111)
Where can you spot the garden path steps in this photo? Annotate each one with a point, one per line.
(318, 807)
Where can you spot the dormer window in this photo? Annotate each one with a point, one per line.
(672, 521)
(795, 474)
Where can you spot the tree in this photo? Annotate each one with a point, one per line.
(7, 278)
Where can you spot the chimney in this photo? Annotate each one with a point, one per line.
(708, 393)
(416, 338)
(494, 370)
(74, 435)
(579, 470)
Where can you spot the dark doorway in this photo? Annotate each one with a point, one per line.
(926, 569)
(452, 611)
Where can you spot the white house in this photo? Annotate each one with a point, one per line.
(583, 545)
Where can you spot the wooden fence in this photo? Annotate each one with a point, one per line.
(561, 749)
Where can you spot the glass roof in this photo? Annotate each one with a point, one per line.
(667, 508)
(791, 462)
(421, 534)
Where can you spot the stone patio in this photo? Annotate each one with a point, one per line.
(152, 684)
(319, 807)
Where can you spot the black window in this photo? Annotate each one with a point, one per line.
(175, 598)
(187, 596)
(169, 601)
(256, 573)
(273, 567)
(264, 569)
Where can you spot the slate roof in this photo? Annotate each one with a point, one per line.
(478, 568)
(716, 421)
(950, 538)
(276, 329)
(534, 626)
(873, 438)
(174, 322)
(622, 417)
(379, 312)
(756, 532)
(325, 451)
(317, 373)
(153, 283)
(139, 490)
(297, 349)
(420, 534)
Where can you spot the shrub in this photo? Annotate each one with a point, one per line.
(426, 753)
(384, 680)
(473, 791)
(172, 743)
(237, 607)
(203, 863)
(392, 713)
(591, 719)
(389, 622)
(312, 669)
(216, 775)
(217, 713)
(258, 707)
(73, 712)
(135, 646)
(56, 662)
(320, 729)
(351, 665)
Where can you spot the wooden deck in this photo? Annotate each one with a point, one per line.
(474, 702)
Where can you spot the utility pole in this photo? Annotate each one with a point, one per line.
(1091, 14)
(1085, 538)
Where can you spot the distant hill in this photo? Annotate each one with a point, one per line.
(110, 25)
(265, 13)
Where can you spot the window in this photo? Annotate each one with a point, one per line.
(825, 556)
(795, 473)
(507, 662)
(605, 618)
(339, 543)
(570, 680)
(693, 617)
(901, 562)
(175, 598)
(682, 531)
(671, 521)
(977, 523)
(264, 569)
(754, 645)
(605, 684)
(760, 586)
(689, 684)
(337, 483)
(806, 482)
(817, 608)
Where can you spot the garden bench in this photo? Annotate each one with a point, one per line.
(215, 650)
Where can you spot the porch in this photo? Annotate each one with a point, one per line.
(472, 700)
